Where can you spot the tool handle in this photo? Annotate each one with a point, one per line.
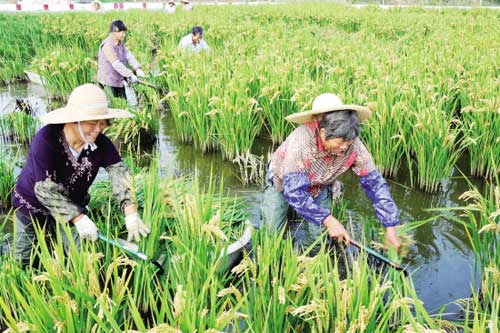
(377, 255)
(120, 246)
(144, 83)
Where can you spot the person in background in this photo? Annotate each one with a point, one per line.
(62, 163)
(194, 41)
(113, 57)
(170, 7)
(302, 173)
(186, 5)
(96, 6)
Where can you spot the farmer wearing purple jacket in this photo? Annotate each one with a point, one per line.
(62, 163)
(112, 59)
(302, 172)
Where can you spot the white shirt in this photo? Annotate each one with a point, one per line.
(75, 153)
(170, 9)
(186, 43)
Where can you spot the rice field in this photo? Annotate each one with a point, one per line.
(432, 80)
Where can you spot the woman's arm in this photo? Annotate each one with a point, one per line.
(56, 199)
(121, 182)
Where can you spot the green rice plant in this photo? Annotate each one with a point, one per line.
(482, 310)
(436, 147)
(18, 126)
(17, 46)
(7, 180)
(482, 133)
(422, 70)
(480, 218)
(386, 132)
(149, 97)
(189, 104)
(69, 295)
(237, 122)
(308, 294)
(281, 99)
(64, 69)
(143, 129)
(195, 239)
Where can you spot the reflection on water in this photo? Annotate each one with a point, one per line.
(441, 259)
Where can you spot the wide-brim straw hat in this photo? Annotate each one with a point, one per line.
(86, 102)
(325, 103)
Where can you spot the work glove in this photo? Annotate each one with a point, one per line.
(136, 228)
(140, 73)
(133, 79)
(86, 228)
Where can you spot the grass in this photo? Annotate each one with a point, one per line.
(480, 219)
(100, 288)
(242, 89)
(18, 126)
(7, 180)
(431, 79)
(431, 129)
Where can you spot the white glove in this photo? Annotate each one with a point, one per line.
(132, 78)
(86, 228)
(140, 73)
(136, 228)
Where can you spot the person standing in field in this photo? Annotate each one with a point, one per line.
(194, 41)
(62, 163)
(186, 5)
(96, 6)
(170, 7)
(302, 173)
(113, 57)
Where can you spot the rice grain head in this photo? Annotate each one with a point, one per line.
(179, 301)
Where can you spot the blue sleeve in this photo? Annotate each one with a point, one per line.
(295, 186)
(377, 190)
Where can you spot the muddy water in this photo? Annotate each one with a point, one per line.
(441, 259)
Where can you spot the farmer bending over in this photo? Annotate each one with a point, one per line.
(302, 173)
(194, 41)
(62, 163)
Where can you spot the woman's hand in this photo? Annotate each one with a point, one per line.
(391, 238)
(336, 230)
(135, 227)
(85, 227)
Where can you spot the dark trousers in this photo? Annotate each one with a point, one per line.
(118, 92)
(26, 238)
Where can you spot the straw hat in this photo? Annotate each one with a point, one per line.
(86, 102)
(98, 3)
(325, 103)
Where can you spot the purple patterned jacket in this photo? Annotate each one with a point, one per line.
(49, 157)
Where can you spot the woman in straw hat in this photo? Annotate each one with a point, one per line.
(62, 163)
(186, 5)
(302, 172)
(96, 6)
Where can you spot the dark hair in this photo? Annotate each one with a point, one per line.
(197, 30)
(117, 26)
(340, 124)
